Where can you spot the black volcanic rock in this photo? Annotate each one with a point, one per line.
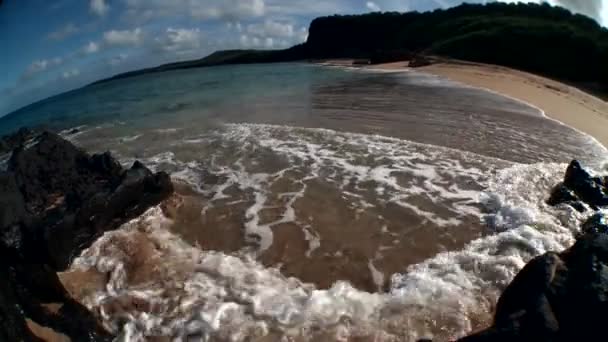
(55, 200)
(589, 189)
(579, 186)
(595, 224)
(556, 297)
(19, 138)
(561, 194)
(561, 296)
(76, 197)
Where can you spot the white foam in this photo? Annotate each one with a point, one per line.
(237, 298)
(128, 139)
(234, 297)
(377, 276)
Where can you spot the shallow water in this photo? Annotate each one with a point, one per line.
(317, 203)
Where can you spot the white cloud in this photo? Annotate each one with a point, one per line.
(229, 10)
(70, 73)
(273, 34)
(40, 66)
(91, 47)
(63, 32)
(372, 6)
(269, 43)
(124, 37)
(308, 8)
(250, 42)
(272, 28)
(99, 7)
(180, 39)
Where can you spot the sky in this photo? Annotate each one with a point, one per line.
(49, 47)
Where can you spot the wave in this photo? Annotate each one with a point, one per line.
(159, 285)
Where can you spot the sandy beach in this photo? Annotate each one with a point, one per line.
(559, 101)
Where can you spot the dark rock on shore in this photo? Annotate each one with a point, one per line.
(579, 187)
(595, 224)
(560, 296)
(55, 200)
(19, 138)
(556, 297)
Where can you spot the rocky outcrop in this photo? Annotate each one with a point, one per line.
(555, 297)
(12, 141)
(560, 296)
(55, 200)
(580, 187)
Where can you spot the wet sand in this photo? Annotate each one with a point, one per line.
(559, 101)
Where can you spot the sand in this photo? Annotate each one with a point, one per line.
(559, 101)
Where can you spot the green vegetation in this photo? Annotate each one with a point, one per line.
(538, 38)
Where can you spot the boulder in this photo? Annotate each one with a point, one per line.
(84, 196)
(55, 200)
(562, 194)
(556, 297)
(595, 224)
(19, 138)
(589, 189)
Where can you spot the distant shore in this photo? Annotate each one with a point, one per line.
(559, 101)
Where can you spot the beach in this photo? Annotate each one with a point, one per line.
(559, 101)
(314, 201)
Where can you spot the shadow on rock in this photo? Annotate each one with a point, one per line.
(55, 201)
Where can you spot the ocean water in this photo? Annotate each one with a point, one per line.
(316, 203)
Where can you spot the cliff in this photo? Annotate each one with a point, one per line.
(537, 38)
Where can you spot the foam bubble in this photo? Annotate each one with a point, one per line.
(215, 295)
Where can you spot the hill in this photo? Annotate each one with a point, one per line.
(537, 38)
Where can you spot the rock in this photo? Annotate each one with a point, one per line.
(74, 174)
(19, 138)
(86, 196)
(556, 297)
(561, 296)
(35, 285)
(55, 200)
(12, 322)
(590, 190)
(561, 194)
(595, 224)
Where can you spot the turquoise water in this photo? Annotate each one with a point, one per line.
(206, 92)
(407, 105)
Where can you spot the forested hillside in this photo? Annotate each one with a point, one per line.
(538, 38)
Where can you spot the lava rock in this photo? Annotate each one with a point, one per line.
(589, 189)
(595, 224)
(561, 194)
(555, 297)
(78, 197)
(13, 326)
(55, 200)
(19, 138)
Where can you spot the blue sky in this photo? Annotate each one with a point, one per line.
(53, 46)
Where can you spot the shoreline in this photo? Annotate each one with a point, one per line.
(558, 101)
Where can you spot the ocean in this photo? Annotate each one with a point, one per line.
(316, 203)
